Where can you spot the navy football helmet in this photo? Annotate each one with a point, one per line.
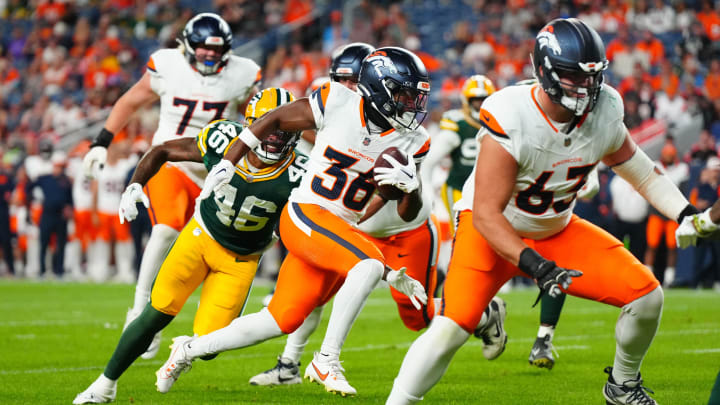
(207, 29)
(570, 51)
(394, 82)
(346, 61)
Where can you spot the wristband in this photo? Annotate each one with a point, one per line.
(530, 261)
(103, 139)
(249, 138)
(688, 210)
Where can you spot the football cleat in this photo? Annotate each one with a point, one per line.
(631, 392)
(177, 363)
(541, 354)
(493, 332)
(97, 393)
(285, 372)
(329, 372)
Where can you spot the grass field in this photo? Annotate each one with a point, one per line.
(55, 339)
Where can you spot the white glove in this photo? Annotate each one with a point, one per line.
(692, 227)
(218, 176)
(408, 286)
(132, 195)
(591, 187)
(94, 161)
(401, 176)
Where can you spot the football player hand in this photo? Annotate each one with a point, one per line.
(132, 195)
(692, 227)
(550, 277)
(94, 161)
(401, 176)
(218, 176)
(408, 286)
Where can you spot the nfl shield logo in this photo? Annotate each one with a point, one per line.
(366, 141)
(567, 141)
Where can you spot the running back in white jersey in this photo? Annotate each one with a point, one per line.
(341, 162)
(386, 222)
(189, 100)
(552, 166)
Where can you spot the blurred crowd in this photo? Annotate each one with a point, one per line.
(64, 63)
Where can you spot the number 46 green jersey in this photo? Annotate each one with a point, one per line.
(241, 215)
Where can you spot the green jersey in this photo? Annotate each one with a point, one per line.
(241, 216)
(464, 155)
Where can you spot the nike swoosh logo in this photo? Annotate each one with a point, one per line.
(237, 260)
(407, 173)
(535, 352)
(497, 331)
(321, 375)
(282, 379)
(485, 117)
(400, 255)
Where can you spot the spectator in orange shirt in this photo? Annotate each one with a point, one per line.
(652, 47)
(667, 80)
(712, 81)
(619, 53)
(635, 81)
(710, 20)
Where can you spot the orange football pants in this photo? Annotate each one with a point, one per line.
(110, 228)
(417, 250)
(85, 231)
(611, 274)
(656, 226)
(322, 249)
(172, 197)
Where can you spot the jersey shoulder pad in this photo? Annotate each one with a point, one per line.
(163, 59)
(215, 138)
(245, 70)
(610, 104)
(450, 119)
(498, 114)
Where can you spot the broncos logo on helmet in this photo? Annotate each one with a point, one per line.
(278, 145)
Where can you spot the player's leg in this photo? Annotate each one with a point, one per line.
(475, 274)
(416, 250)
(329, 243)
(541, 354)
(715, 393)
(182, 272)
(124, 253)
(614, 276)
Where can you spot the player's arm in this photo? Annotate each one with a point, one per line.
(409, 206)
(374, 206)
(633, 165)
(177, 150)
(495, 178)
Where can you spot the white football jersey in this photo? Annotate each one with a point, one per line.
(81, 191)
(189, 100)
(111, 184)
(552, 165)
(386, 222)
(341, 162)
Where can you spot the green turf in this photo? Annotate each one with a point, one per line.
(55, 339)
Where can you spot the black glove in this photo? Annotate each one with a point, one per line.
(548, 275)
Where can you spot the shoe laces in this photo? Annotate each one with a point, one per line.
(337, 369)
(637, 393)
(181, 363)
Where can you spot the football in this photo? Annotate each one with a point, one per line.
(387, 191)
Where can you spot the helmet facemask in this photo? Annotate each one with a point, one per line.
(207, 30)
(577, 90)
(276, 146)
(409, 105)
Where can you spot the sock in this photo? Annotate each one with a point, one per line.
(348, 303)
(297, 340)
(550, 309)
(546, 330)
(634, 331)
(104, 383)
(484, 319)
(161, 239)
(135, 340)
(245, 331)
(426, 360)
(438, 304)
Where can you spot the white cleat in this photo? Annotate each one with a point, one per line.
(493, 333)
(177, 363)
(329, 372)
(285, 372)
(97, 393)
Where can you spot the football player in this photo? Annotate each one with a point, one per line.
(413, 245)
(538, 144)
(196, 83)
(327, 255)
(222, 243)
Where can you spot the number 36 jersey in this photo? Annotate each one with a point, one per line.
(189, 100)
(241, 215)
(552, 165)
(341, 162)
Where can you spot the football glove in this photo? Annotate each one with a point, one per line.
(408, 286)
(401, 176)
(218, 176)
(692, 227)
(547, 275)
(133, 194)
(94, 161)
